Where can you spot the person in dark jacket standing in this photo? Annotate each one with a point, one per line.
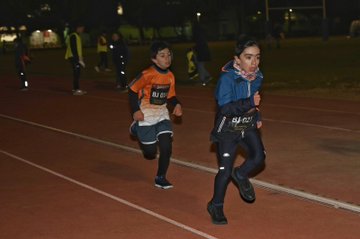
(202, 54)
(237, 123)
(21, 60)
(120, 57)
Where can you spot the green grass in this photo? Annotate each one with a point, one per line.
(306, 67)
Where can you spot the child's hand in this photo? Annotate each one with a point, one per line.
(258, 124)
(177, 110)
(257, 98)
(138, 116)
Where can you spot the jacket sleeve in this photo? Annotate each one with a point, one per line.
(133, 100)
(236, 108)
(228, 104)
(173, 101)
(73, 47)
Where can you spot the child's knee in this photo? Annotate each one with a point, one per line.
(149, 151)
(260, 158)
(225, 171)
(149, 156)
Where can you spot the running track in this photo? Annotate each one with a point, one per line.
(68, 168)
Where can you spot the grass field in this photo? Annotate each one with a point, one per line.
(306, 67)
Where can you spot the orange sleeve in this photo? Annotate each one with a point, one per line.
(138, 83)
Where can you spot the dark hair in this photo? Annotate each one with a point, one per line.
(157, 46)
(244, 42)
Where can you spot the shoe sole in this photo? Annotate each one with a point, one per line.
(242, 194)
(163, 187)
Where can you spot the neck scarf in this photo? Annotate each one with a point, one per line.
(244, 74)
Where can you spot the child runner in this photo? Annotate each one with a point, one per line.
(236, 124)
(149, 94)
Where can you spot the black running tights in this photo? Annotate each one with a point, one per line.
(165, 149)
(227, 152)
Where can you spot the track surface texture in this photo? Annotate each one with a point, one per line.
(69, 168)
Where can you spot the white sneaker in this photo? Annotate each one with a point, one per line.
(79, 92)
(97, 69)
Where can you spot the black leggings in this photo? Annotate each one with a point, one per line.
(22, 76)
(103, 60)
(165, 148)
(76, 73)
(226, 154)
(120, 74)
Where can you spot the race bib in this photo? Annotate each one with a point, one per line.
(158, 94)
(237, 123)
(240, 123)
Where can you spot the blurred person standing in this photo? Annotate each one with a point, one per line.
(74, 53)
(120, 57)
(202, 54)
(102, 50)
(192, 68)
(21, 60)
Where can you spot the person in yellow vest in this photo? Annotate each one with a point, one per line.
(192, 68)
(102, 50)
(75, 56)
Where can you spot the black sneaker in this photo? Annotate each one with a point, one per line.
(245, 187)
(217, 214)
(162, 182)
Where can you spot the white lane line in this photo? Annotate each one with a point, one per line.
(113, 197)
(289, 122)
(265, 185)
(264, 119)
(213, 112)
(312, 125)
(311, 109)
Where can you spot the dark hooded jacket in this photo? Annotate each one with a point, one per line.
(236, 109)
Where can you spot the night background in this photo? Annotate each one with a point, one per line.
(69, 167)
(173, 19)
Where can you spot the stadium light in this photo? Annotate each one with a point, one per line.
(198, 14)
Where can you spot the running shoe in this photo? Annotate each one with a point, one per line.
(245, 187)
(217, 213)
(162, 182)
(79, 92)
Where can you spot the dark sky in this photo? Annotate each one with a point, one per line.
(100, 12)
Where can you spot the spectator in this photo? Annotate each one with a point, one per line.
(21, 60)
(120, 57)
(75, 56)
(102, 49)
(202, 53)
